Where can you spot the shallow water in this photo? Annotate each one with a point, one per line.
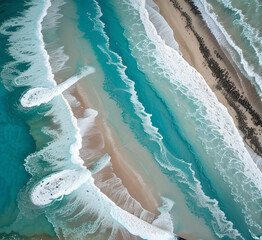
(178, 135)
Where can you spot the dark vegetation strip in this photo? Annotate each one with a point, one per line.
(224, 82)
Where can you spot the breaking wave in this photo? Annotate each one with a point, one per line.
(80, 210)
(236, 55)
(222, 151)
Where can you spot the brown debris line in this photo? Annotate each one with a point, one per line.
(224, 83)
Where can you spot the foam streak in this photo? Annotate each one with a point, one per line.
(37, 96)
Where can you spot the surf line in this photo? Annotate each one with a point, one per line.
(55, 186)
(37, 96)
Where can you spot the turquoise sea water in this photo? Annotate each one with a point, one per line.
(165, 103)
(16, 144)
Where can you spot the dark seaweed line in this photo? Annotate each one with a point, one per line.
(224, 83)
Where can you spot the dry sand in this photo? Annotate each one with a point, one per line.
(190, 47)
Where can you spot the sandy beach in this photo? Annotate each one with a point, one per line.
(105, 139)
(109, 130)
(103, 134)
(87, 92)
(202, 51)
(131, 162)
(135, 185)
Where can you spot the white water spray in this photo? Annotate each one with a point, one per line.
(37, 96)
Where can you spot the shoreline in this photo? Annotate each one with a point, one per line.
(141, 190)
(202, 51)
(131, 180)
(137, 186)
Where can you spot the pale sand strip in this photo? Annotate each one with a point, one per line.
(140, 190)
(189, 46)
(135, 185)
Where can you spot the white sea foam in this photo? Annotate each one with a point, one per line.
(139, 108)
(88, 131)
(58, 59)
(100, 164)
(231, 50)
(256, 158)
(139, 227)
(56, 185)
(162, 27)
(231, 150)
(27, 46)
(198, 89)
(221, 225)
(72, 177)
(90, 115)
(87, 122)
(37, 96)
(53, 14)
(164, 220)
(251, 34)
(221, 140)
(63, 116)
(89, 202)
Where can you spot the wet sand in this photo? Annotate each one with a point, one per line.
(202, 51)
(135, 185)
(138, 185)
(125, 152)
